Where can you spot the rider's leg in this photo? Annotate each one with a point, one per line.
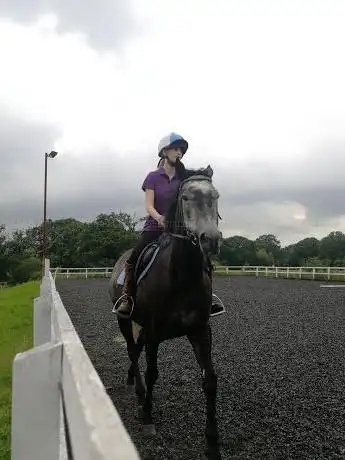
(128, 290)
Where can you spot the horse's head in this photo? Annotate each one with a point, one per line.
(197, 211)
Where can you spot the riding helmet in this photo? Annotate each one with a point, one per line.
(172, 140)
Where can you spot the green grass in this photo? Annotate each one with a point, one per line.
(16, 328)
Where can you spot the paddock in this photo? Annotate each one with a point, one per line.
(279, 353)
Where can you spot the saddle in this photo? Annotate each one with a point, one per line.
(144, 263)
(145, 260)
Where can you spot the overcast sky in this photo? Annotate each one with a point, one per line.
(257, 88)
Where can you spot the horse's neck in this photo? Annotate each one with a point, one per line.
(187, 262)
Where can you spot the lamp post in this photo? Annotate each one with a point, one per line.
(52, 154)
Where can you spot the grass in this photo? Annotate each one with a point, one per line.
(16, 327)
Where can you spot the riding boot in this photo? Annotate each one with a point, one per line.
(216, 307)
(125, 308)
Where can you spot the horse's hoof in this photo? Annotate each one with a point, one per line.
(149, 430)
(140, 412)
(212, 456)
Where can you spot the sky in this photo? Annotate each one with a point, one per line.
(257, 88)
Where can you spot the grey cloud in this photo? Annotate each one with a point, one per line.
(106, 24)
(22, 147)
(79, 185)
(254, 200)
(315, 180)
(23, 214)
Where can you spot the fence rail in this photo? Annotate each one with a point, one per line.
(314, 273)
(60, 409)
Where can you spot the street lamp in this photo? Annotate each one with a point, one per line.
(52, 154)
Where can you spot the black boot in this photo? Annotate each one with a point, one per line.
(217, 307)
(125, 308)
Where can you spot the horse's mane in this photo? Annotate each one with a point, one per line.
(170, 214)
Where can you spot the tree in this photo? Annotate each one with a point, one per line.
(332, 248)
(271, 245)
(304, 250)
(3, 254)
(237, 250)
(263, 258)
(72, 243)
(24, 269)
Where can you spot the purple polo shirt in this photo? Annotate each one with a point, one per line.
(164, 189)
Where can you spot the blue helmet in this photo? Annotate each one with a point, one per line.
(172, 140)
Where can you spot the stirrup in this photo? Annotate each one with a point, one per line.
(120, 315)
(220, 303)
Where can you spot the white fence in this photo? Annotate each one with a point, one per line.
(325, 273)
(60, 409)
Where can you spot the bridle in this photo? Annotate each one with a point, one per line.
(188, 235)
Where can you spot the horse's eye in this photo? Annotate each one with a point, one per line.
(184, 198)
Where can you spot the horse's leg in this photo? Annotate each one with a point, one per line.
(134, 371)
(134, 351)
(202, 346)
(151, 376)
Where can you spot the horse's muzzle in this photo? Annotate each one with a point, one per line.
(210, 242)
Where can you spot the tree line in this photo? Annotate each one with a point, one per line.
(72, 243)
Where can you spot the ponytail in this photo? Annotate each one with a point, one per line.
(160, 163)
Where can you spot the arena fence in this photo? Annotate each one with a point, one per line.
(60, 408)
(312, 273)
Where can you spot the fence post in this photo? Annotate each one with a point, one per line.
(42, 321)
(36, 403)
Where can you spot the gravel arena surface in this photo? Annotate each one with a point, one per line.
(279, 353)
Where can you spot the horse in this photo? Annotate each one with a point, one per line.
(173, 296)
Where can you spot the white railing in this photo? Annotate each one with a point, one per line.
(329, 273)
(60, 408)
(313, 273)
(94, 272)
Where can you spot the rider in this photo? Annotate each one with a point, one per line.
(159, 187)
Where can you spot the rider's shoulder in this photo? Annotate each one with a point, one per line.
(154, 173)
(151, 178)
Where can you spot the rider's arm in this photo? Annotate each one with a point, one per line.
(149, 204)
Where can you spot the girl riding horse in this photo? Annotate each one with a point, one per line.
(160, 186)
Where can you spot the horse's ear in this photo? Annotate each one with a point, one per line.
(209, 171)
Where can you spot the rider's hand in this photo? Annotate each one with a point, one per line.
(161, 221)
